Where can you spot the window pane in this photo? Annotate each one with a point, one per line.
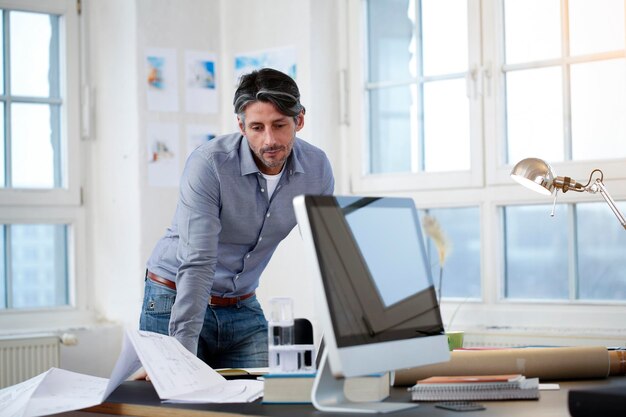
(536, 252)
(33, 60)
(598, 109)
(391, 40)
(461, 272)
(444, 36)
(39, 265)
(532, 30)
(3, 276)
(534, 114)
(2, 147)
(601, 261)
(596, 26)
(2, 55)
(446, 126)
(391, 129)
(32, 152)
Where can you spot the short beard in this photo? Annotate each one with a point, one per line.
(273, 164)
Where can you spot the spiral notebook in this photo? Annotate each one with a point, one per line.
(478, 387)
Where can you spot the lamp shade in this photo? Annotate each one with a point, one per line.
(535, 174)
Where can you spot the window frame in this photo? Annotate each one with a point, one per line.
(70, 193)
(357, 105)
(58, 205)
(488, 186)
(497, 170)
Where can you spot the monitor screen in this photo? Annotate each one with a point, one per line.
(375, 284)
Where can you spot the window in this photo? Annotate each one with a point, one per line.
(40, 210)
(417, 76)
(445, 96)
(413, 88)
(589, 264)
(565, 83)
(32, 100)
(37, 275)
(460, 275)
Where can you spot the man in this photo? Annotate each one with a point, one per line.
(234, 208)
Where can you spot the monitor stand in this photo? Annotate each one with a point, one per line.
(328, 395)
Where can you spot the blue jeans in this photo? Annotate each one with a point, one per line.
(231, 337)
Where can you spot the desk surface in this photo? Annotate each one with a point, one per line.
(138, 398)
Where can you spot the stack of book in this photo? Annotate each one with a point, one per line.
(292, 388)
(479, 387)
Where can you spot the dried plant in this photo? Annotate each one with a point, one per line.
(433, 230)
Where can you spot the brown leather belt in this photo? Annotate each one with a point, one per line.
(215, 300)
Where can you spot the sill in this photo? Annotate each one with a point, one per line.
(550, 320)
(17, 323)
(512, 336)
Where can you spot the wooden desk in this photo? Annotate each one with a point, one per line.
(138, 398)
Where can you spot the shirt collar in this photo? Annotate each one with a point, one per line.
(249, 166)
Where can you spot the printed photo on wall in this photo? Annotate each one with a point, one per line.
(281, 59)
(198, 135)
(161, 79)
(163, 154)
(201, 82)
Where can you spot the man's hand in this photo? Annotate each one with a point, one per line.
(140, 375)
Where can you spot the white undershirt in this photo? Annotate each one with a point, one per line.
(272, 181)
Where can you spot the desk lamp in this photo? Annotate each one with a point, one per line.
(537, 175)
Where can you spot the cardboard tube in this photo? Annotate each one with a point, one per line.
(617, 359)
(543, 363)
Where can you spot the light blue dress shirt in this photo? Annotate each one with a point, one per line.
(225, 228)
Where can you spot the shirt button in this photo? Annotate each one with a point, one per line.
(267, 215)
(260, 238)
(247, 256)
(236, 276)
(262, 190)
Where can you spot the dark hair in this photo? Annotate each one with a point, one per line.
(270, 86)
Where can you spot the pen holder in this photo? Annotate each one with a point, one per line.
(455, 340)
(291, 346)
(291, 359)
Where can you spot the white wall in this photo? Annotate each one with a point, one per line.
(182, 25)
(111, 189)
(126, 214)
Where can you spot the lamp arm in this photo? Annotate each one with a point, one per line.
(598, 186)
(568, 184)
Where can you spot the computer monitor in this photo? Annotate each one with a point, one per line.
(375, 300)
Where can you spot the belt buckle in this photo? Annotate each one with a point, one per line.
(221, 301)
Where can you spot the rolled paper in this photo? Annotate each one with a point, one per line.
(617, 359)
(549, 363)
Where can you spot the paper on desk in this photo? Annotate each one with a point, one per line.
(58, 390)
(54, 391)
(13, 400)
(236, 391)
(549, 387)
(64, 390)
(180, 376)
(176, 374)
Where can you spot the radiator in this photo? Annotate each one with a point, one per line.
(24, 358)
